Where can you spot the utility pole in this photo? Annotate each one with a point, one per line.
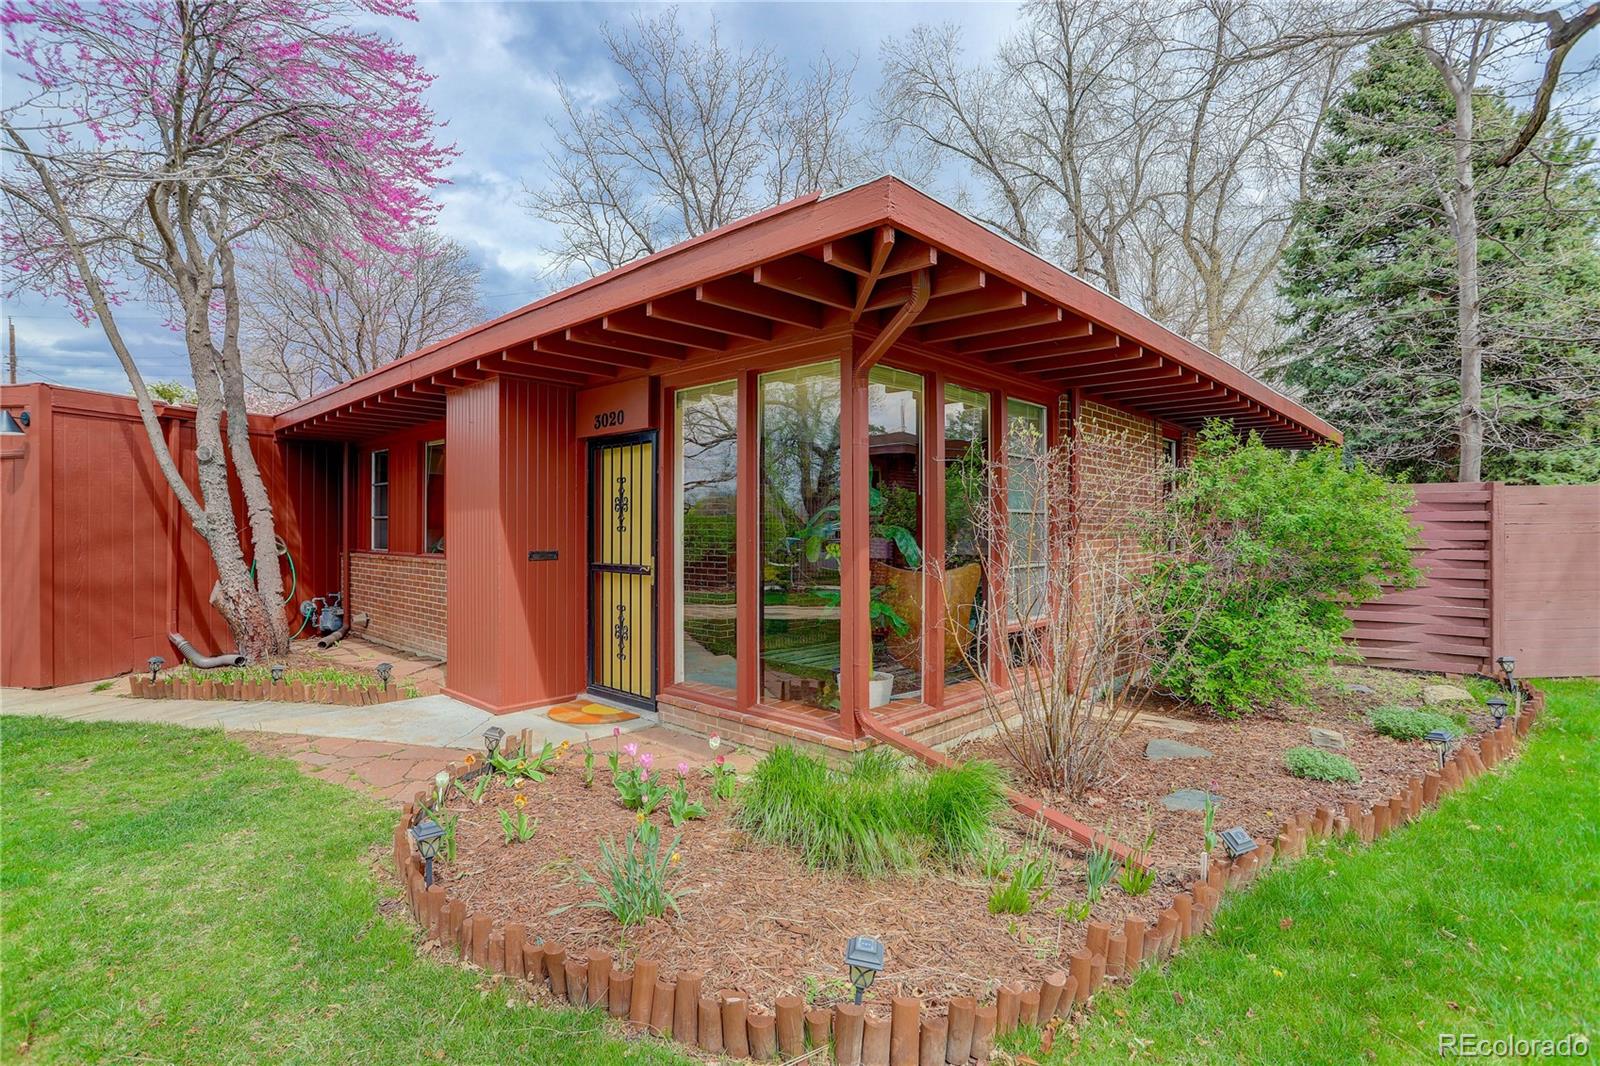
(11, 359)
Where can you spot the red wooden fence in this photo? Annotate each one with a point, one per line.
(99, 561)
(1508, 570)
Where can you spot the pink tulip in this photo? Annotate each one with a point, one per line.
(721, 759)
(683, 769)
(631, 748)
(646, 759)
(616, 730)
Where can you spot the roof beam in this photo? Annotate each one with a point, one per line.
(685, 310)
(853, 253)
(882, 245)
(950, 279)
(992, 297)
(1035, 313)
(802, 276)
(638, 322)
(739, 294)
(1069, 327)
(625, 342)
(910, 255)
(503, 366)
(1033, 353)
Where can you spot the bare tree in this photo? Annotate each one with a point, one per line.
(1077, 637)
(310, 328)
(1136, 144)
(699, 134)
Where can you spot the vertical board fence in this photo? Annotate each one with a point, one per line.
(1507, 570)
(100, 562)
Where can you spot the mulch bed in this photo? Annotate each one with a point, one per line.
(755, 919)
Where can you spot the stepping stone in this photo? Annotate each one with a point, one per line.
(1361, 690)
(1434, 695)
(1189, 799)
(1326, 739)
(1160, 749)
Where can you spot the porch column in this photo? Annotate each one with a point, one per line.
(855, 571)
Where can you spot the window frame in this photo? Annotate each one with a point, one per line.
(1040, 567)
(427, 446)
(373, 517)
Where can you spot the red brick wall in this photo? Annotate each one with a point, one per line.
(404, 595)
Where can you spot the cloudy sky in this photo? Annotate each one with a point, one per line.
(497, 65)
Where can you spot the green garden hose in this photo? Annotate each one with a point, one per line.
(294, 576)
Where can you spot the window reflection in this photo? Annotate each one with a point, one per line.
(707, 514)
(966, 452)
(894, 509)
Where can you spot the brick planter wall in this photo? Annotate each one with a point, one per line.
(404, 595)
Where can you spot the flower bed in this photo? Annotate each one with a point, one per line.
(758, 928)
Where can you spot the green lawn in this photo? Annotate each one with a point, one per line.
(1483, 918)
(170, 897)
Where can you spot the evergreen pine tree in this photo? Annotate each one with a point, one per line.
(1369, 284)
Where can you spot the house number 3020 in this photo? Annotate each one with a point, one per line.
(608, 419)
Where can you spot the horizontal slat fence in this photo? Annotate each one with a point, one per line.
(1507, 570)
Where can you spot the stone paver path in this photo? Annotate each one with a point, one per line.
(392, 772)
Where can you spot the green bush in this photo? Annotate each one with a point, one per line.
(877, 815)
(1261, 552)
(1320, 765)
(1408, 723)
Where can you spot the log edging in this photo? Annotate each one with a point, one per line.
(167, 688)
(727, 1022)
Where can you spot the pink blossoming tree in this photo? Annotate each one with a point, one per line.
(165, 140)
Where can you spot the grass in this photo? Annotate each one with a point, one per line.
(1481, 918)
(875, 816)
(171, 897)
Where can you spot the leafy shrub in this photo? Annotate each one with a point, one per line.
(1320, 765)
(873, 817)
(1261, 551)
(1408, 723)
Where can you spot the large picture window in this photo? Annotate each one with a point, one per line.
(894, 509)
(380, 500)
(433, 497)
(800, 467)
(707, 482)
(966, 550)
(1027, 511)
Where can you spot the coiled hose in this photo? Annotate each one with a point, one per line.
(294, 584)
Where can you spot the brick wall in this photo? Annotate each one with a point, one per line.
(405, 597)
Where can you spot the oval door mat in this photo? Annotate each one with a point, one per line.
(589, 714)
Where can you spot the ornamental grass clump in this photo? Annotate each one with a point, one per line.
(876, 816)
(1319, 765)
(1409, 723)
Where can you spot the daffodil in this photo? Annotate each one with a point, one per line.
(639, 818)
(674, 859)
(521, 800)
(470, 759)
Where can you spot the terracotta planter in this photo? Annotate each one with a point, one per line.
(904, 594)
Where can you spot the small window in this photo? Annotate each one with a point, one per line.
(1169, 450)
(1027, 501)
(433, 497)
(380, 501)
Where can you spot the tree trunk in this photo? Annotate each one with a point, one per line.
(1462, 208)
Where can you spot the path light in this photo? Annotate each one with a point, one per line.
(492, 738)
(384, 670)
(1237, 842)
(864, 956)
(278, 670)
(1497, 707)
(155, 662)
(426, 833)
(1440, 738)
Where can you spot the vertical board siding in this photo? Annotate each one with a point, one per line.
(1507, 570)
(516, 626)
(102, 561)
(1547, 590)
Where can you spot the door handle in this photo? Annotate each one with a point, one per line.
(622, 568)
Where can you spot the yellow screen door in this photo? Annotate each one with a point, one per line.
(622, 561)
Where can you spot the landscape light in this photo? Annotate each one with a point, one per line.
(1508, 663)
(1440, 738)
(864, 956)
(426, 833)
(155, 662)
(492, 738)
(384, 670)
(1237, 842)
(278, 670)
(1497, 707)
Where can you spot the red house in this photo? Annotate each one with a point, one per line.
(670, 485)
(681, 484)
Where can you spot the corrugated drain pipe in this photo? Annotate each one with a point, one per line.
(204, 662)
(1022, 803)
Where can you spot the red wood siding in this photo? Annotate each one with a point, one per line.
(405, 487)
(1508, 570)
(516, 626)
(100, 562)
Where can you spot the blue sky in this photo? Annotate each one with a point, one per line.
(496, 66)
